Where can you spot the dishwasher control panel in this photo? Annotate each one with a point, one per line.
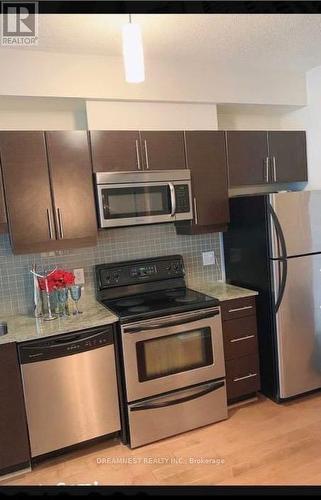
(65, 344)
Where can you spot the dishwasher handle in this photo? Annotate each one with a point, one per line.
(60, 346)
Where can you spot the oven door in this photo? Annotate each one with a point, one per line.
(136, 203)
(172, 352)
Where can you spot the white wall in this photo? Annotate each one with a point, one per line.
(32, 113)
(258, 117)
(48, 74)
(131, 115)
(311, 117)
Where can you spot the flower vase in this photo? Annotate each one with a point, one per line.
(49, 304)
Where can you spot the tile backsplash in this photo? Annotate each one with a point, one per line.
(16, 289)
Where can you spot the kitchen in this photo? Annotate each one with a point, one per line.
(166, 347)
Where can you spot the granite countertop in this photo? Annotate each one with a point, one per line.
(22, 327)
(220, 290)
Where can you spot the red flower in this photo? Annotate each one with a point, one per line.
(58, 279)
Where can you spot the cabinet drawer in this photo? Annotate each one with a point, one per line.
(242, 376)
(237, 308)
(240, 337)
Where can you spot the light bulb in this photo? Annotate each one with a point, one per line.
(133, 53)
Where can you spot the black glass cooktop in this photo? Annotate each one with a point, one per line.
(149, 305)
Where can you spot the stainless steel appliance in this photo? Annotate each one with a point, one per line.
(170, 343)
(131, 198)
(70, 388)
(274, 246)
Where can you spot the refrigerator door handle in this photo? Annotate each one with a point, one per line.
(282, 282)
(282, 259)
(279, 232)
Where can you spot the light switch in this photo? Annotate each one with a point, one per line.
(208, 258)
(79, 276)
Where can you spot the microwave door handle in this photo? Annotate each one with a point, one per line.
(173, 198)
(161, 404)
(157, 326)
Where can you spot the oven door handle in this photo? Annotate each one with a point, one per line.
(162, 404)
(178, 322)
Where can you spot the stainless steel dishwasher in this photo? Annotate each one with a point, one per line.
(70, 388)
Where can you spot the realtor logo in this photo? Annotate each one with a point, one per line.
(19, 23)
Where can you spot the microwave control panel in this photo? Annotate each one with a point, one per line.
(182, 198)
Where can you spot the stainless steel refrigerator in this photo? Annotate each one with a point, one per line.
(273, 245)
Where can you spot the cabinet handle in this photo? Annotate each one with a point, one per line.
(137, 155)
(195, 210)
(50, 225)
(266, 169)
(239, 339)
(146, 154)
(274, 168)
(240, 309)
(60, 224)
(251, 375)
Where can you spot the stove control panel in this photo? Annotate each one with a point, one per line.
(135, 272)
(143, 271)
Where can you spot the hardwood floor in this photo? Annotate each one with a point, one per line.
(262, 443)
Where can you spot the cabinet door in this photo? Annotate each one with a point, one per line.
(72, 185)
(163, 150)
(206, 158)
(115, 151)
(14, 445)
(287, 151)
(27, 190)
(247, 153)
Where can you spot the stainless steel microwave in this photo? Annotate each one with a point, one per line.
(134, 198)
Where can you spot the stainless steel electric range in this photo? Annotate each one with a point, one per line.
(170, 348)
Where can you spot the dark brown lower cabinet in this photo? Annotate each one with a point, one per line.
(14, 441)
(240, 348)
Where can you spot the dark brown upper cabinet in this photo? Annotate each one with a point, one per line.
(288, 157)
(14, 443)
(163, 150)
(27, 189)
(247, 153)
(115, 151)
(40, 213)
(206, 158)
(256, 157)
(72, 186)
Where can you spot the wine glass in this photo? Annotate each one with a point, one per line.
(62, 299)
(75, 293)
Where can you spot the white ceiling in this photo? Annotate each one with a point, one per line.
(253, 41)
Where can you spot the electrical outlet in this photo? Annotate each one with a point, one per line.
(208, 258)
(79, 276)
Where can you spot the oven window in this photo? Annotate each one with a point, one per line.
(174, 354)
(139, 201)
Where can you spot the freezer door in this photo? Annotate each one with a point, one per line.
(298, 322)
(299, 215)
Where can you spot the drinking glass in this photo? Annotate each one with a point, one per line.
(62, 299)
(75, 293)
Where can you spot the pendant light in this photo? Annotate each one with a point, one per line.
(133, 53)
